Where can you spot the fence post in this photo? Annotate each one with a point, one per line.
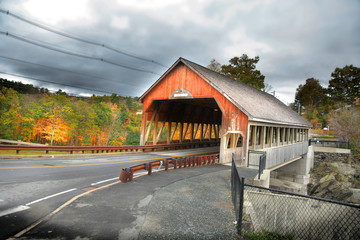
(239, 225)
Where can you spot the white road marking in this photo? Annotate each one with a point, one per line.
(13, 210)
(54, 195)
(107, 180)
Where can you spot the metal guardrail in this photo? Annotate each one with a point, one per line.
(97, 149)
(261, 163)
(127, 174)
(329, 143)
(292, 215)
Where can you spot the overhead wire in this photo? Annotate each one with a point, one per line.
(62, 84)
(74, 54)
(61, 33)
(55, 68)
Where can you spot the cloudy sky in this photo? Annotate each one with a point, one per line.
(295, 40)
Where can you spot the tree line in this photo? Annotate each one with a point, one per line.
(34, 114)
(335, 106)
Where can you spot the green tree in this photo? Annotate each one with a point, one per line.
(101, 117)
(344, 85)
(243, 69)
(310, 95)
(312, 102)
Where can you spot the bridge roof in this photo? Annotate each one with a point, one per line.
(257, 105)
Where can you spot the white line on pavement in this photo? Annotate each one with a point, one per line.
(13, 210)
(54, 195)
(107, 180)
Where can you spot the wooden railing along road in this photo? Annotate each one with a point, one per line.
(97, 149)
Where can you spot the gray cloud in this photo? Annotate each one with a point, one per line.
(294, 39)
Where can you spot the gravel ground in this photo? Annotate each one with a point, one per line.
(195, 208)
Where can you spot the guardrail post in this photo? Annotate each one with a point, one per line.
(180, 162)
(150, 168)
(174, 160)
(167, 161)
(199, 158)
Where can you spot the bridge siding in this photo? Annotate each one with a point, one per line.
(233, 119)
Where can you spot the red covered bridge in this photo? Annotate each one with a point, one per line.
(192, 103)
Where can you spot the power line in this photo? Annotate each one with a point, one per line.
(55, 68)
(41, 80)
(74, 54)
(42, 26)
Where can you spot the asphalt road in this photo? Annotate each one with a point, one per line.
(31, 188)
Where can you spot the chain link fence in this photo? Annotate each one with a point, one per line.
(294, 215)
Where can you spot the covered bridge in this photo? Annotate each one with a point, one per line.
(194, 103)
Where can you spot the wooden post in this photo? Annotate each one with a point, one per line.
(181, 132)
(202, 132)
(210, 131)
(263, 137)
(155, 129)
(143, 129)
(216, 131)
(253, 138)
(192, 132)
(277, 136)
(271, 136)
(168, 136)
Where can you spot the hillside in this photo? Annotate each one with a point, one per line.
(35, 115)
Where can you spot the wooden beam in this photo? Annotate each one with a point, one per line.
(185, 131)
(173, 132)
(150, 123)
(181, 132)
(161, 128)
(205, 130)
(155, 129)
(196, 130)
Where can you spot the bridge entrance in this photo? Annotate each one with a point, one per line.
(180, 120)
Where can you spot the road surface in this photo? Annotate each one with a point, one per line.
(31, 188)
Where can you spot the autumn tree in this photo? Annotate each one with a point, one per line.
(243, 69)
(50, 114)
(344, 85)
(347, 126)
